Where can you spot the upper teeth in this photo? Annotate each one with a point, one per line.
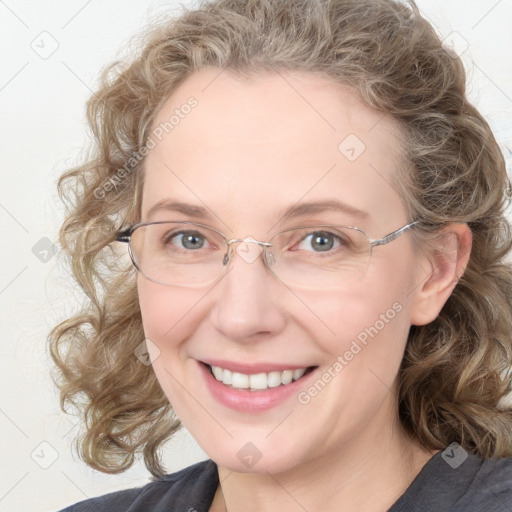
(257, 380)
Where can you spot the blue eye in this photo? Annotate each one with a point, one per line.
(186, 239)
(320, 241)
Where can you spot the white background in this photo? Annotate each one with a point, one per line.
(43, 132)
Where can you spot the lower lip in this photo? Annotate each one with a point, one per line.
(245, 400)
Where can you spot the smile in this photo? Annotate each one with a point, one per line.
(254, 387)
(257, 381)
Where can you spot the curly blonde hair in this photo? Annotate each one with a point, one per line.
(455, 374)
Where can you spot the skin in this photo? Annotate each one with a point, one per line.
(247, 150)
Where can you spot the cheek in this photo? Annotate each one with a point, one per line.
(365, 352)
(363, 328)
(345, 315)
(167, 313)
(170, 316)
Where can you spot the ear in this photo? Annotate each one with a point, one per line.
(441, 269)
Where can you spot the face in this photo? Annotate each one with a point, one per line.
(247, 151)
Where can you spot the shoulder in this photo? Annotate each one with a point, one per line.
(457, 481)
(191, 488)
(490, 489)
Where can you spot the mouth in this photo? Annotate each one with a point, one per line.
(257, 381)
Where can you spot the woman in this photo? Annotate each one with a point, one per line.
(317, 288)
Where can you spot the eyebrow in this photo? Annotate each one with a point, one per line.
(333, 205)
(297, 210)
(177, 206)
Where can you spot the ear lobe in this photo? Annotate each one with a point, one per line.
(444, 264)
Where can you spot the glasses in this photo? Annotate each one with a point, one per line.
(191, 254)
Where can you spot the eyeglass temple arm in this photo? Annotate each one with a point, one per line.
(392, 236)
(124, 236)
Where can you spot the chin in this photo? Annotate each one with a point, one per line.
(248, 458)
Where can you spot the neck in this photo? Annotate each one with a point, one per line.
(370, 472)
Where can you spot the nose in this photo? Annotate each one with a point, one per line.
(250, 302)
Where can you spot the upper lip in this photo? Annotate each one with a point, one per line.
(253, 368)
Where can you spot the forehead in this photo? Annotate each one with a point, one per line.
(246, 147)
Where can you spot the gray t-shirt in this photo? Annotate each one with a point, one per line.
(475, 485)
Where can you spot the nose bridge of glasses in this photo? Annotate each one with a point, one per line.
(247, 240)
(249, 253)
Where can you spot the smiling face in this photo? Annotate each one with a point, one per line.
(247, 152)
